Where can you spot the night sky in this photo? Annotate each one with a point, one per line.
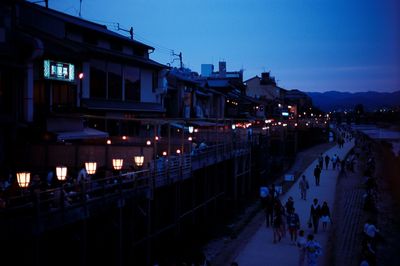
(311, 45)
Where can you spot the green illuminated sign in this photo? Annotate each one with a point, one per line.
(59, 70)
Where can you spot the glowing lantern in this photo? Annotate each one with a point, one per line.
(117, 163)
(139, 160)
(23, 179)
(61, 172)
(90, 167)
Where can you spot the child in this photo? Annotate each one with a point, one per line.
(313, 250)
(301, 244)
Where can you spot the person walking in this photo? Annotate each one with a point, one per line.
(269, 209)
(321, 161)
(313, 250)
(327, 159)
(277, 224)
(301, 245)
(304, 186)
(334, 161)
(293, 223)
(315, 214)
(289, 205)
(325, 215)
(317, 174)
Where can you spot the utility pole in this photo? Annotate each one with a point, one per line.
(130, 30)
(180, 58)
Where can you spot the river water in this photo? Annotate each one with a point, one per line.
(377, 133)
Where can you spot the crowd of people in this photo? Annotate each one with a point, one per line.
(284, 217)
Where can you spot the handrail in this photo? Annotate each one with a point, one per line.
(71, 195)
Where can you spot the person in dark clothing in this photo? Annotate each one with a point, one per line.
(321, 161)
(269, 209)
(325, 215)
(289, 205)
(317, 174)
(293, 223)
(315, 214)
(278, 220)
(327, 159)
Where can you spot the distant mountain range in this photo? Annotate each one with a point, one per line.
(334, 100)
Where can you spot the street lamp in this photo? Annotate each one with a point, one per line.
(191, 129)
(90, 167)
(117, 163)
(233, 126)
(61, 172)
(23, 179)
(139, 160)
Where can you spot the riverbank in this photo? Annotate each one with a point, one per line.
(350, 217)
(388, 220)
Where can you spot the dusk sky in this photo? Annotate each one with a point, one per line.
(310, 45)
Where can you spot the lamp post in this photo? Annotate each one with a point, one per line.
(90, 170)
(61, 172)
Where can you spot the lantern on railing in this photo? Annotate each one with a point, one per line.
(90, 167)
(117, 163)
(23, 179)
(139, 160)
(61, 172)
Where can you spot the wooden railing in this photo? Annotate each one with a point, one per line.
(163, 171)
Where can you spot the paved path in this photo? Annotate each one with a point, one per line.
(261, 251)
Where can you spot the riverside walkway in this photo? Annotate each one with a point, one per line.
(260, 250)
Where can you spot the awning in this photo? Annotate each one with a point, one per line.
(86, 133)
(200, 93)
(122, 106)
(205, 124)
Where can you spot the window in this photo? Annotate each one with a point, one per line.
(132, 83)
(98, 79)
(114, 81)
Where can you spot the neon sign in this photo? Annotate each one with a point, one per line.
(59, 70)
